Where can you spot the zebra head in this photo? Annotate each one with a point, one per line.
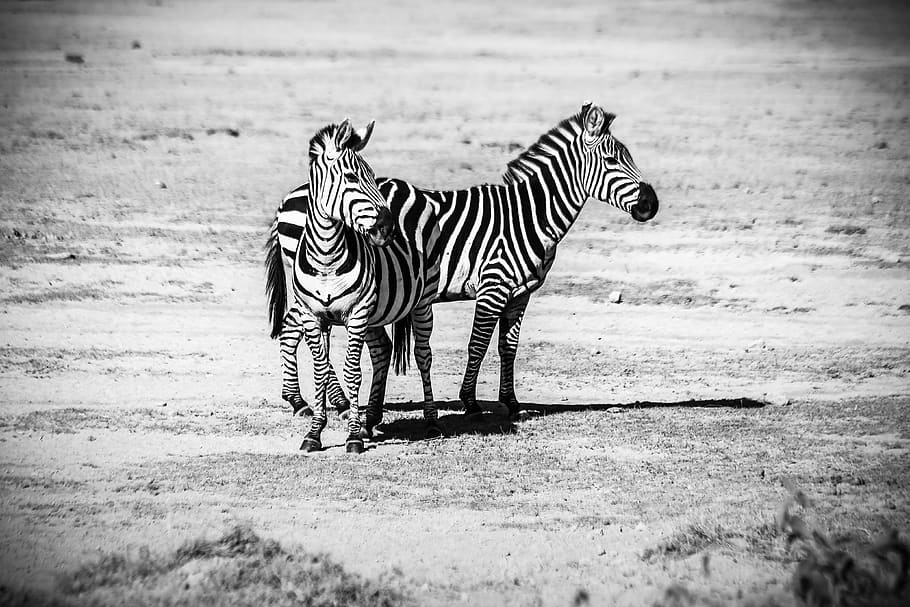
(342, 185)
(611, 175)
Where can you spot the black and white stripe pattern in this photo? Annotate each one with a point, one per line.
(351, 268)
(498, 242)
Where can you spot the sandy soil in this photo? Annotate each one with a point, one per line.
(139, 392)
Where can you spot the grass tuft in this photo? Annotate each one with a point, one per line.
(828, 574)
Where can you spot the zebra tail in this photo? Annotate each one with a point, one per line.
(401, 344)
(274, 281)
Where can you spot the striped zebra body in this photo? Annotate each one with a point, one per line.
(362, 278)
(498, 242)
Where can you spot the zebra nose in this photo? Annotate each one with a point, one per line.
(647, 205)
(384, 229)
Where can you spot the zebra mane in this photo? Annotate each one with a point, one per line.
(326, 134)
(518, 169)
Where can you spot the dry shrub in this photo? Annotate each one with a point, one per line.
(828, 575)
(239, 568)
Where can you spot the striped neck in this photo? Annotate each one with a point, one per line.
(327, 244)
(553, 169)
(551, 189)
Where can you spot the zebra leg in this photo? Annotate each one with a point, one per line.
(490, 304)
(289, 341)
(422, 320)
(357, 328)
(380, 347)
(321, 367)
(333, 389)
(509, 328)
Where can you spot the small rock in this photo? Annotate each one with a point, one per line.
(74, 58)
(756, 345)
(135, 44)
(161, 185)
(776, 400)
(615, 297)
(891, 258)
(876, 199)
(60, 256)
(881, 145)
(595, 351)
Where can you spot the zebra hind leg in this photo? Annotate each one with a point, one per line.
(333, 389)
(380, 347)
(423, 327)
(289, 341)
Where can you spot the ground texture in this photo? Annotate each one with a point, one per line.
(763, 334)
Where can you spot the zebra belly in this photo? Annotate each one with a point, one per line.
(330, 297)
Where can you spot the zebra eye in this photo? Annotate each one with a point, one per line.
(350, 177)
(612, 160)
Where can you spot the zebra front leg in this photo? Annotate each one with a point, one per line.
(509, 329)
(313, 330)
(357, 328)
(422, 319)
(289, 342)
(380, 347)
(333, 389)
(490, 304)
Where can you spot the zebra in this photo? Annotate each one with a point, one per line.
(363, 278)
(499, 241)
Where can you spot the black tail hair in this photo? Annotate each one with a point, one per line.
(274, 281)
(401, 344)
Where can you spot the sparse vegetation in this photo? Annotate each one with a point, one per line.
(238, 569)
(830, 574)
(848, 230)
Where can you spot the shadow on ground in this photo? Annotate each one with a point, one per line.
(496, 420)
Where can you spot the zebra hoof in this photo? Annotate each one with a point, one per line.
(344, 415)
(299, 406)
(354, 445)
(366, 432)
(433, 431)
(310, 444)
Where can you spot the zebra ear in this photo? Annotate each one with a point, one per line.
(363, 138)
(342, 134)
(593, 121)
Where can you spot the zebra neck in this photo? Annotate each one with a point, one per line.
(554, 199)
(329, 248)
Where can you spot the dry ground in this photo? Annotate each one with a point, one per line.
(140, 392)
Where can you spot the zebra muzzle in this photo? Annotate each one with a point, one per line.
(646, 207)
(383, 230)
